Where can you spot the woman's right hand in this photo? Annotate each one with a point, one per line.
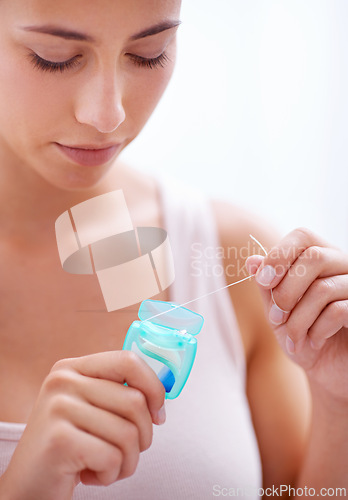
(86, 425)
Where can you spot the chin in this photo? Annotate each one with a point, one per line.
(69, 180)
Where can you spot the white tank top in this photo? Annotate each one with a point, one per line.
(208, 441)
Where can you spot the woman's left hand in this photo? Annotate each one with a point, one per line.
(309, 313)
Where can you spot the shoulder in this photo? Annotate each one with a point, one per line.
(235, 225)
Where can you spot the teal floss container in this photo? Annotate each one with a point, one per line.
(165, 339)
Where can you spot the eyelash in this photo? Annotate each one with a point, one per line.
(151, 63)
(53, 67)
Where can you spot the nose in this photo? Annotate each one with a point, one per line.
(99, 102)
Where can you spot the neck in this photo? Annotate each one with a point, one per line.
(29, 205)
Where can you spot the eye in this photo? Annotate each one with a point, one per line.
(52, 66)
(150, 63)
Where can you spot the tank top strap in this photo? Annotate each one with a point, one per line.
(198, 259)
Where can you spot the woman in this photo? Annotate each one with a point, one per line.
(83, 76)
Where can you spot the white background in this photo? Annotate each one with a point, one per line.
(256, 112)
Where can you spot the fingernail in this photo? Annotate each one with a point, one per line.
(276, 315)
(161, 416)
(290, 346)
(266, 276)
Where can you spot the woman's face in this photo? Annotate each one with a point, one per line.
(93, 81)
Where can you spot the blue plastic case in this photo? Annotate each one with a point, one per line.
(164, 338)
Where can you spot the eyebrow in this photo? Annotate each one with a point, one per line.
(50, 29)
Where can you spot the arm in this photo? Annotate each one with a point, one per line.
(310, 290)
(277, 388)
(86, 425)
(326, 460)
(297, 447)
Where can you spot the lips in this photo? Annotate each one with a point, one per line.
(89, 156)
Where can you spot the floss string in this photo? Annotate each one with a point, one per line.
(215, 291)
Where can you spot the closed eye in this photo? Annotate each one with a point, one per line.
(52, 66)
(151, 63)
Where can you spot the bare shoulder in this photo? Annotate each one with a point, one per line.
(277, 389)
(235, 224)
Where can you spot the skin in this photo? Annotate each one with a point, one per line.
(104, 98)
(310, 288)
(66, 394)
(65, 403)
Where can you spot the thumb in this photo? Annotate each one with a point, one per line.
(252, 264)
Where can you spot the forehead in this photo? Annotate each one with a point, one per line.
(99, 18)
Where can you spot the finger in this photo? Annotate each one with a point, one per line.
(122, 367)
(105, 425)
(276, 315)
(319, 296)
(282, 256)
(331, 321)
(92, 478)
(253, 263)
(89, 478)
(116, 398)
(313, 263)
(86, 451)
(125, 401)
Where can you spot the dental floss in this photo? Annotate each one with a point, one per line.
(201, 297)
(219, 289)
(168, 353)
(167, 348)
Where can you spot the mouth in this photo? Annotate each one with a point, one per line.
(89, 155)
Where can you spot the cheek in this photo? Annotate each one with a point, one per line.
(32, 103)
